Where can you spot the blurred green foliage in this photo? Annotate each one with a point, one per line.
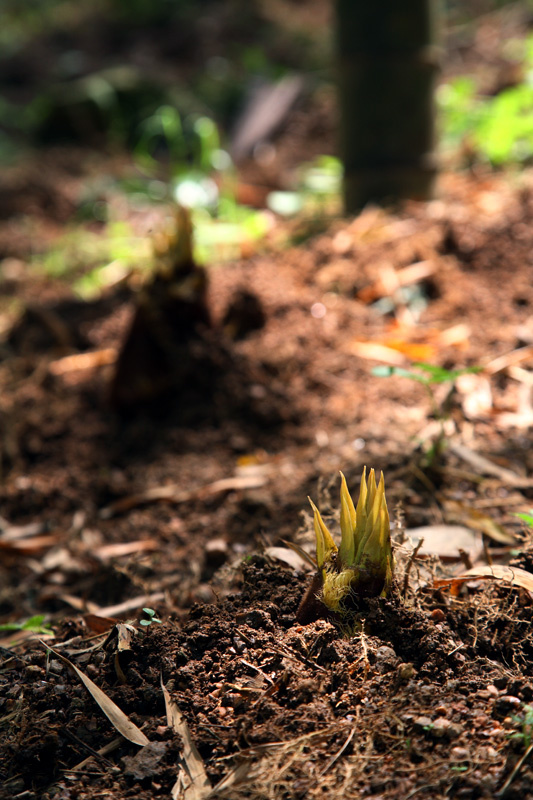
(498, 129)
(527, 518)
(91, 261)
(32, 625)
(177, 146)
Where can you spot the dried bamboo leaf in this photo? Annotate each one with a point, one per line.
(512, 575)
(237, 775)
(446, 541)
(175, 494)
(486, 467)
(287, 556)
(479, 521)
(118, 718)
(192, 782)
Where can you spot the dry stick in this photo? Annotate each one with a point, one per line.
(486, 551)
(465, 558)
(258, 670)
(288, 652)
(336, 757)
(408, 567)
(420, 789)
(98, 755)
(366, 663)
(514, 773)
(476, 612)
(103, 751)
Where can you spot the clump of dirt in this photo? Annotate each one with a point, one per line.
(279, 709)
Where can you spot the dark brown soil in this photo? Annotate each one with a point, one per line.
(183, 504)
(429, 695)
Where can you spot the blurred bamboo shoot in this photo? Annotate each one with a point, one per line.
(171, 311)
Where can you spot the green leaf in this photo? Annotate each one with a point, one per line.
(387, 372)
(442, 375)
(528, 518)
(33, 624)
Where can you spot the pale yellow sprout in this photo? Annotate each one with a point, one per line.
(363, 563)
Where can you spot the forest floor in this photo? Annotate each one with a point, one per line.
(185, 508)
(102, 516)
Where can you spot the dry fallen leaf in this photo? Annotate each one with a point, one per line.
(475, 395)
(11, 533)
(446, 541)
(486, 467)
(512, 575)
(288, 556)
(82, 361)
(192, 782)
(30, 546)
(126, 606)
(377, 352)
(390, 280)
(99, 624)
(513, 358)
(175, 494)
(473, 518)
(118, 718)
(108, 551)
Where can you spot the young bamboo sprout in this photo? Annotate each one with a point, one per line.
(362, 565)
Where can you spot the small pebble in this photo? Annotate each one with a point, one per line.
(459, 754)
(405, 672)
(444, 729)
(437, 615)
(507, 703)
(501, 682)
(385, 652)
(488, 752)
(216, 552)
(33, 672)
(422, 723)
(493, 733)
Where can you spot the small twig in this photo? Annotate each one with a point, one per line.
(514, 773)
(465, 558)
(476, 612)
(337, 755)
(365, 650)
(408, 567)
(258, 670)
(486, 550)
(399, 519)
(424, 480)
(107, 748)
(455, 649)
(94, 753)
(288, 652)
